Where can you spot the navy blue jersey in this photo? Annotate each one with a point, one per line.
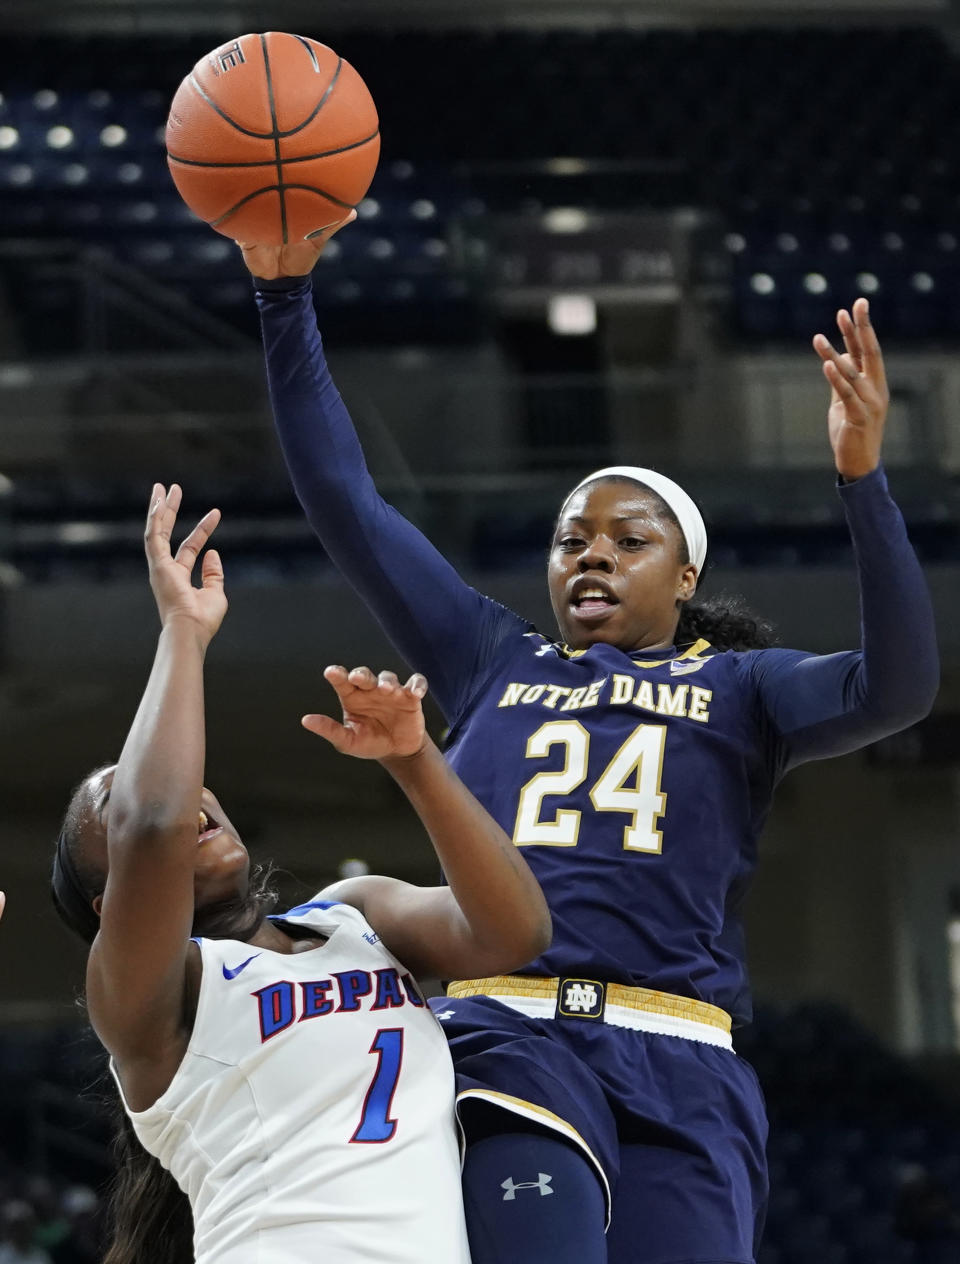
(637, 784)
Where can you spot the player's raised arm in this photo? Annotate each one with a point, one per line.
(492, 917)
(859, 396)
(136, 968)
(825, 705)
(439, 624)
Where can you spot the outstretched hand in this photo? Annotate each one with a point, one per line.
(171, 573)
(382, 719)
(295, 259)
(859, 397)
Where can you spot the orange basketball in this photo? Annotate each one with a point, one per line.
(272, 137)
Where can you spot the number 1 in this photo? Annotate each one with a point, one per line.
(375, 1125)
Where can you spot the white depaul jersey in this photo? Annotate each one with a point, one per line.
(312, 1115)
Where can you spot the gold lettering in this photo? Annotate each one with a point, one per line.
(644, 697)
(622, 690)
(593, 694)
(511, 695)
(553, 693)
(575, 699)
(533, 693)
(698, 704)
(672, 701)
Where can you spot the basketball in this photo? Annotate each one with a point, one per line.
(272, 138)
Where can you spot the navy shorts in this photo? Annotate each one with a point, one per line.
(674, 1128)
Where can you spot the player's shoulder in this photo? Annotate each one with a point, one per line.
(747, 665)
(328, 909)
(684, 661)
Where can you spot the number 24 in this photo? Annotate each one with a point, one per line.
(640, 758)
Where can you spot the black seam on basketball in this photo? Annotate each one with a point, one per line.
(309, 47)
(320, 104)
(226, 117)
(269, 162)
(267, 188)
(309, 188)
(276, 137)
(276, 188)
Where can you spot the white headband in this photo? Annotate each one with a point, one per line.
(672, 494)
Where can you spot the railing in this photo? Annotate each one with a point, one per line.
(115, 307)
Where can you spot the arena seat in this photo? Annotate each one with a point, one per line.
(818, 207)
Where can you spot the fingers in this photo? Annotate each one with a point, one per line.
(417, 685)
(856, 377)
(863, 354)
(871, 354)
(363, 680)
(212, 570)
(845, 363)
(3, 900)
(161, 518)
(348, 684)
(320, 236)
(848, 332)
(324, 726)
(189, 550)
(846, 388)
(840, 371)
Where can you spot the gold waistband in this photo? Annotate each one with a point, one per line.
(645, 1000)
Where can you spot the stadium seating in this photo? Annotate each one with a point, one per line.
(824, 193)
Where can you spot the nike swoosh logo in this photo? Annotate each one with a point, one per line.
(232, 974)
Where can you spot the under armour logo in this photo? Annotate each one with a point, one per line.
(447, 1013)
(542, 1183)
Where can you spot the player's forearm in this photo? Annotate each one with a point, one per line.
(900, 671)
(827, 705)
(319, 442)
(159, 776)
(434, 619)
(500, 900)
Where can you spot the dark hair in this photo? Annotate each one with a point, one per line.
(74, 883)
(725, 620)
(149, 1219)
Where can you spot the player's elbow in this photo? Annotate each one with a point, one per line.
(534, 943)
(909, 704)
(923, 705)
(525, 939)
(148, 826)
(542, 936)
